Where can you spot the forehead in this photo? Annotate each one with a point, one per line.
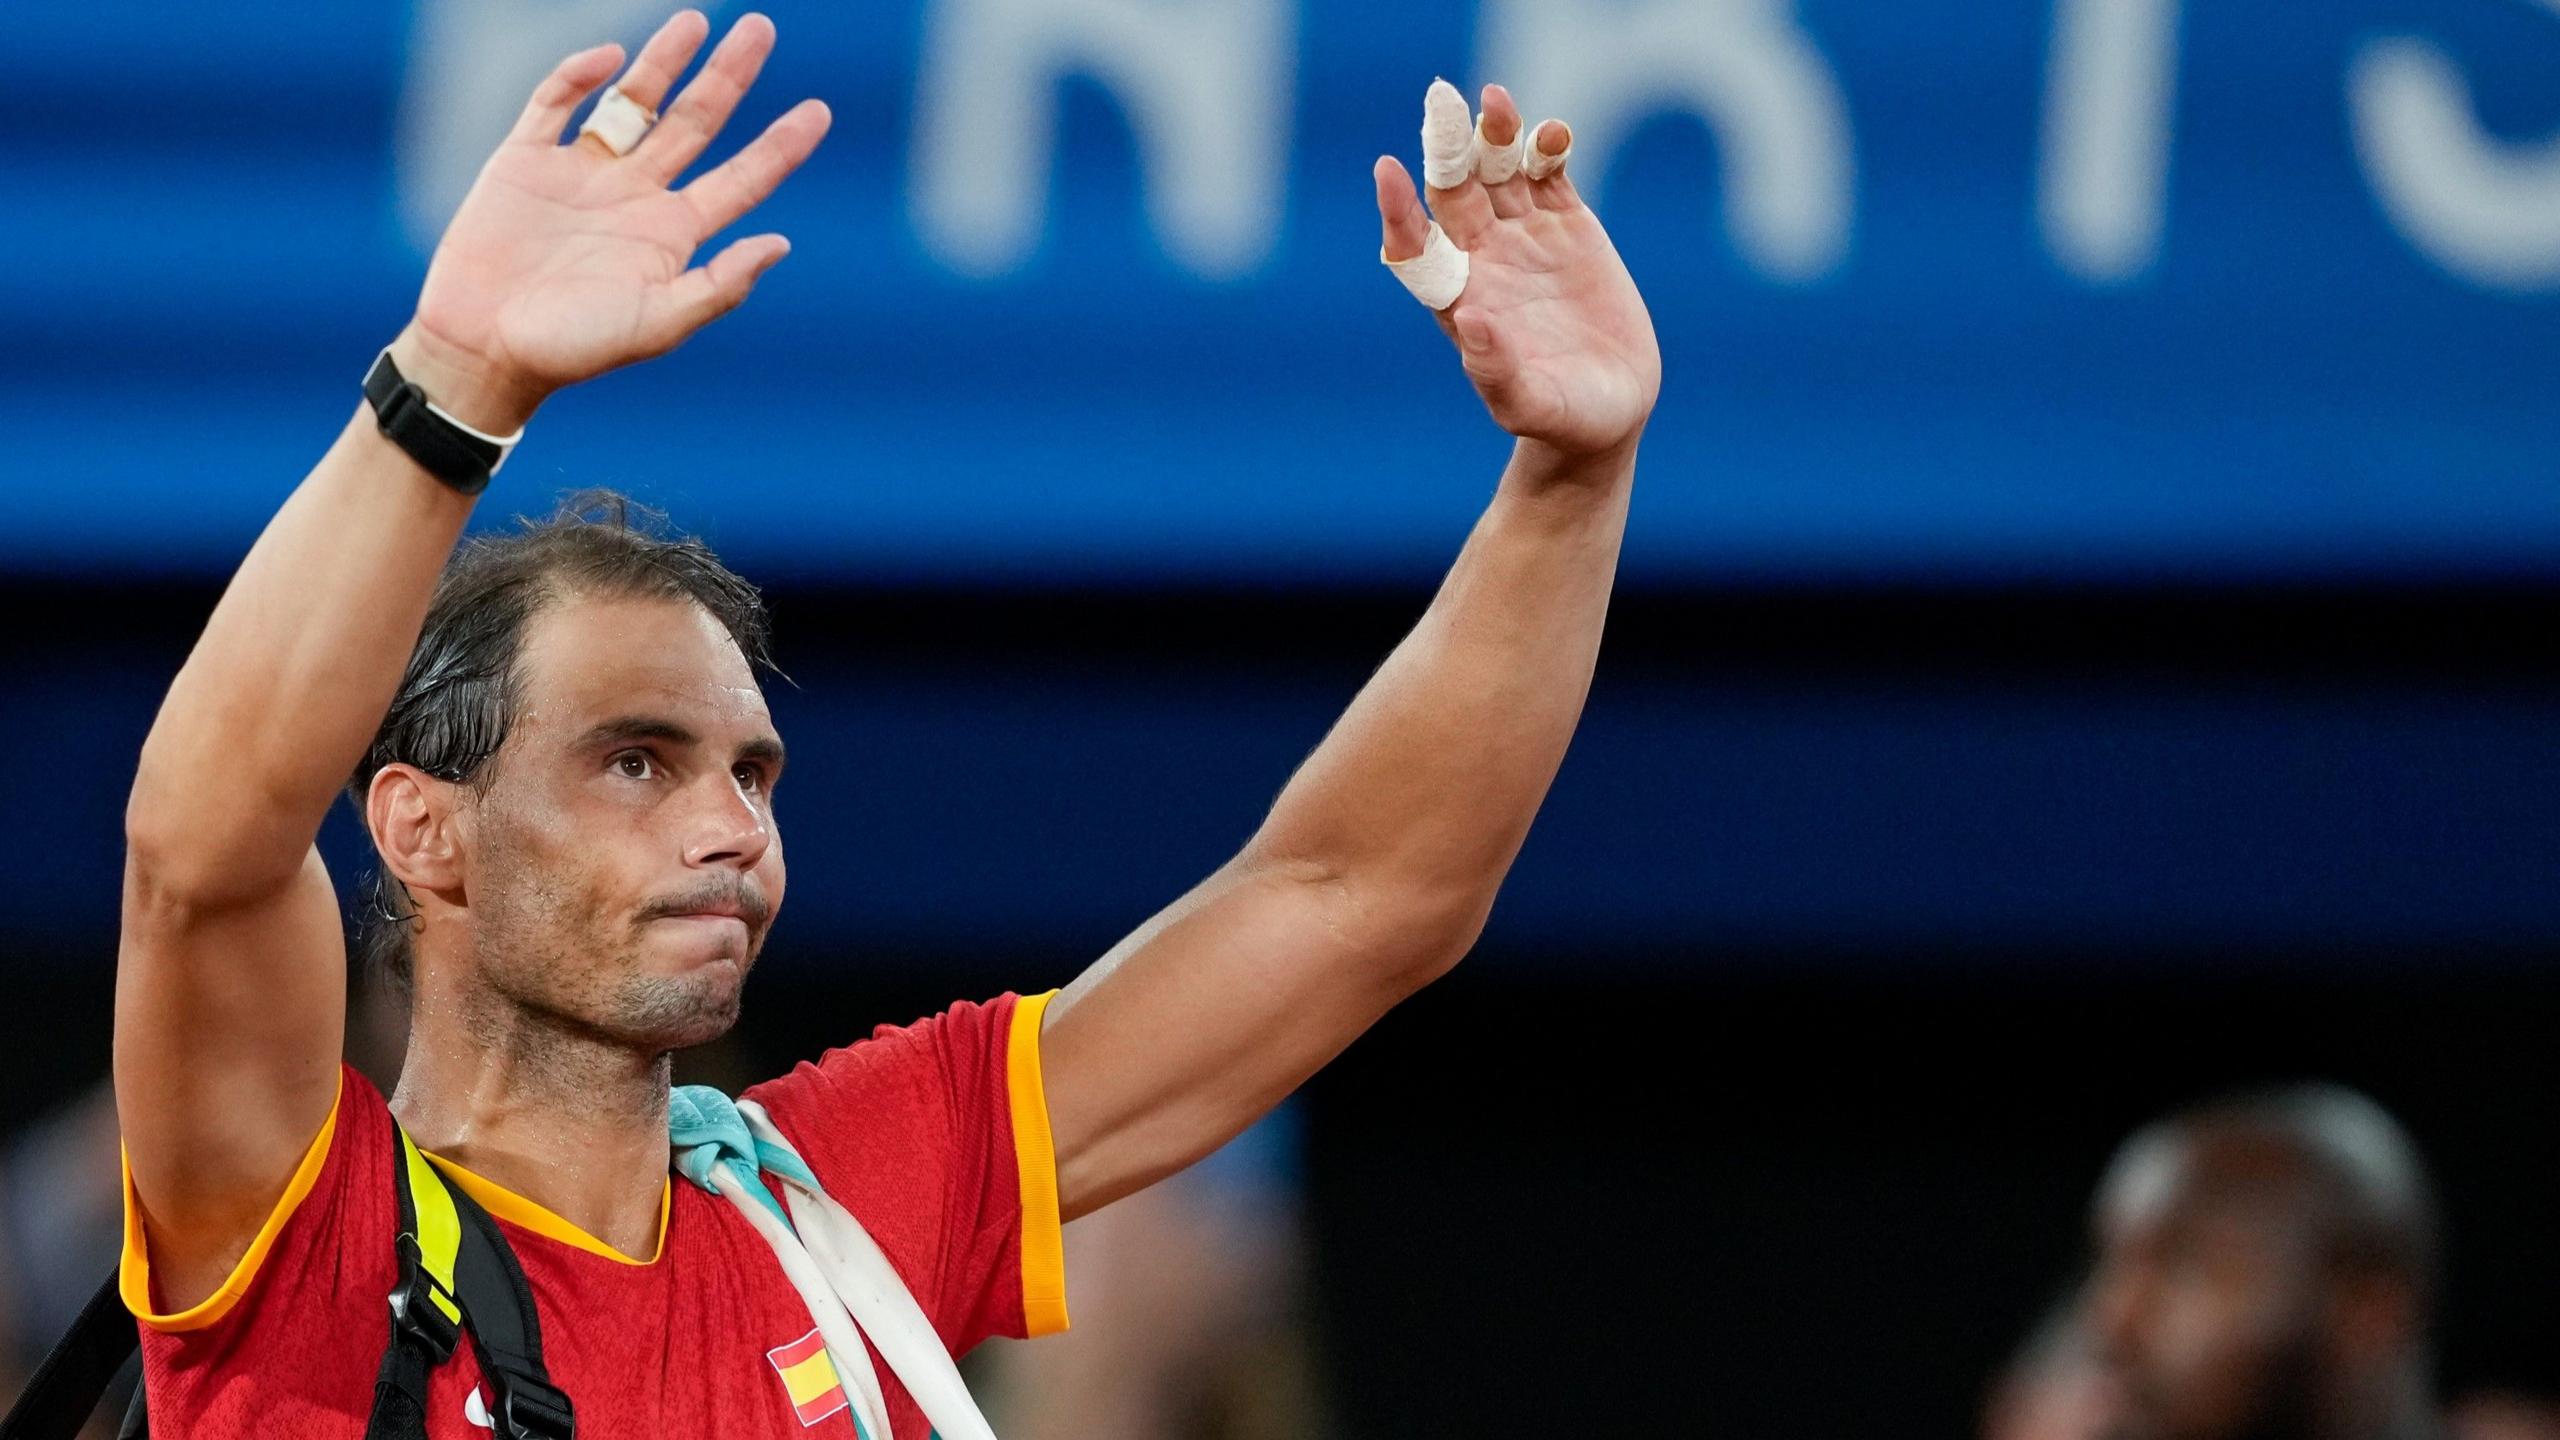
(2217, 1184)
(584, 659)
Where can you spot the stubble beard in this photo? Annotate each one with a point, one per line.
(554, 953)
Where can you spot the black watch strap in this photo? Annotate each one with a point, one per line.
(452, 454)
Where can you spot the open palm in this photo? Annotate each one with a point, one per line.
(1550, 327)
(565, 261)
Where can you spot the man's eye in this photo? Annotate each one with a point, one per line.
(750, 778)
(634, 765)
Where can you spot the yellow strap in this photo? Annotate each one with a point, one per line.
(439, 1228)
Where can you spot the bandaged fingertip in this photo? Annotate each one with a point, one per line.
(1437, 276)
(1448, 137)
(1497, 163)
(618, 120)
(1538, 164)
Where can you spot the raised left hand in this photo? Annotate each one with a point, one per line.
(1550, 326)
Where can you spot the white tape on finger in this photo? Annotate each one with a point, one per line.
(618, 120)
(1497, 163)
(1437, 276)
(1539, 164)
(1448, 137)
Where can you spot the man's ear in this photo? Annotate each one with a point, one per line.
(416, 820)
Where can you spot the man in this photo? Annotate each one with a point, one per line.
(566, 765)
(2266, 1270)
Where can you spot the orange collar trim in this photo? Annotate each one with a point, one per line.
(513, 1208)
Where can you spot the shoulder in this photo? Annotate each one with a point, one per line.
(935, 1136)
(958, 1062)
(350, 1154)
(300, 1320)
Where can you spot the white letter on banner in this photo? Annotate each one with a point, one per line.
(2487, 210)
(2109, 85)
(1745, 66)
(471, 65)
(1205, 85)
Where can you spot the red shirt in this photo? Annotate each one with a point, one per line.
(935, 1136)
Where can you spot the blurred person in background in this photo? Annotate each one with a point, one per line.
(2267, 1270)
(60, 1210)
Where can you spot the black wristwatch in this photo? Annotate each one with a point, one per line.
(451, 451)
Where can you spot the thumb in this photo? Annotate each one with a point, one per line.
(707, 292)
(1478, 341)
(1486, 354)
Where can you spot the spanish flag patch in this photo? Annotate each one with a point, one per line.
(809, 1377)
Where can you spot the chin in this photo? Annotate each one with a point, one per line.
(676, 1012)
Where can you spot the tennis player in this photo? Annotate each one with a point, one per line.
(560, 749)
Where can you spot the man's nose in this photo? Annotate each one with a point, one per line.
(728, 829)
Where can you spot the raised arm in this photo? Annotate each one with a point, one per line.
(564, 261)
(1379, 862)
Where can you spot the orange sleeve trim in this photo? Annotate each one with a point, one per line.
(1035, 1159)
(507, 1205)
(133, 1268)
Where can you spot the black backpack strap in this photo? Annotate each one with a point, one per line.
(426, 1315)
(137, 1415)
(507, 1332)
(457, 1272)
(66, 1388)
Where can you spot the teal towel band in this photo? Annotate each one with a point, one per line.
(709, 1134)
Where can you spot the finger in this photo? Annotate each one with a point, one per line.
(1448, 164)
(1497, 158)
(740, 183)
(572, 80)
(1549, 187)
(707, 292)
(665, 56)
(695, 120)
(1400, 214)
(661, 60)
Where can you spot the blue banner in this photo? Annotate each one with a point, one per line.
(1087, 289)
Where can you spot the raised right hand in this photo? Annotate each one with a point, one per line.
(566, 261)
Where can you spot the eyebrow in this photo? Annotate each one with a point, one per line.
(623, 729)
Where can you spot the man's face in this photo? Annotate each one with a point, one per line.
(2206, 1306)
(623, 864)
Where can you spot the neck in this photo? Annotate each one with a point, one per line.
(566, 1118)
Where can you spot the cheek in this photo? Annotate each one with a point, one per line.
(536, 867)
(2219, 1337)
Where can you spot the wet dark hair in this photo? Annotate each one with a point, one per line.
(458, 699)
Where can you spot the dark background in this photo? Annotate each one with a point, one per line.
(1675, 1150)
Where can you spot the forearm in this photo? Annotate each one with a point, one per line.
(299, 660)
(1414, 806)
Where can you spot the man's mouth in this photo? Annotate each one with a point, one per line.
(727, 930)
